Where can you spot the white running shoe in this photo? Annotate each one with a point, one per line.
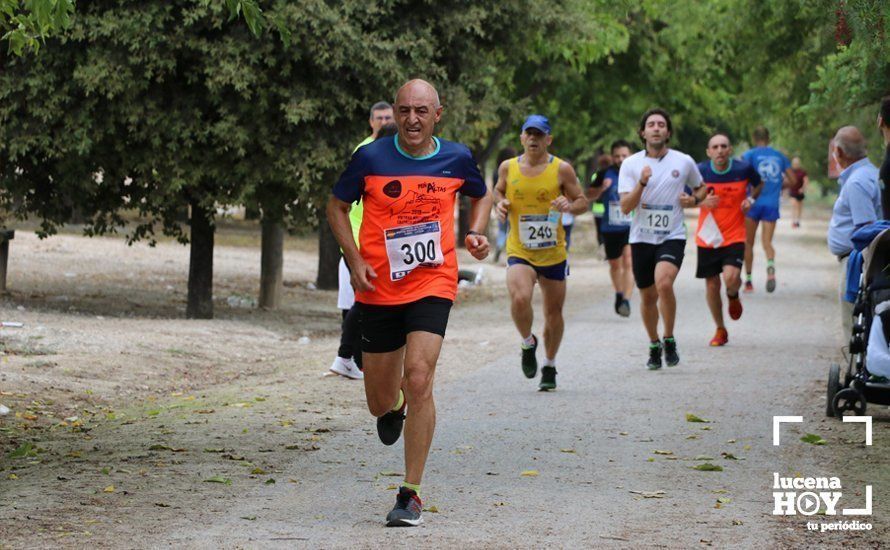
(347, 368)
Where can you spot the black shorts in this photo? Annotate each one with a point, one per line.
(798, 196)
(646, 256)
(712, 260)
(615, 243)
(386, 328)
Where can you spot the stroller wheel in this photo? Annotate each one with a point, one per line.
(834, 386)
(848, 400)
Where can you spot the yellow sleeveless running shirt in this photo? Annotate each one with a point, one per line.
(536, 233)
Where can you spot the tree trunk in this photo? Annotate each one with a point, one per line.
(463, 221)
(328, 255)
(271, 264)
(200, 285)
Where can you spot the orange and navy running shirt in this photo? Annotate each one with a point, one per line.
(407, 233)
(732, 186)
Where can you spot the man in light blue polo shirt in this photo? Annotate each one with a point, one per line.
(857, 204)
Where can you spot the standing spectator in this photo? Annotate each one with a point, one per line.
(798, 190)
(857, 204)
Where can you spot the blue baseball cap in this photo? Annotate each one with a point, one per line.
(539, 122)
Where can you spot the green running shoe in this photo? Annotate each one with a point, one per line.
(548, 379)
(654, 362)
(771, 278)
(671, 357)
(529, 361)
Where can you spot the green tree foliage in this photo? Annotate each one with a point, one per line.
(25, 23)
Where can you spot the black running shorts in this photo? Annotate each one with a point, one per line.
(712, 260)
(386, 328)
(615, 243)
(646, 256)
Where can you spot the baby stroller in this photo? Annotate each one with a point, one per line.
(866, 378)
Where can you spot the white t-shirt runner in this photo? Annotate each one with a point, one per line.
(659, 217)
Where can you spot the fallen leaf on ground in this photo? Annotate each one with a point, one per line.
(570, 451)
(813, 439)
(109, 489)
(391, 474)
(622, 433)
(692, 418)
(703, 457)
(666, 453)
(737, 522)
(724, 500)
(12, 476)
(218, 479)
(650, 459)
(162, 505)
(241, 405)
(248, 518)
(708, 467)
(258, 471)
(650, 494)
(25, 449)
(392, 487)
(270, 481)
(529, 473)
(432, 510)
(729, 456)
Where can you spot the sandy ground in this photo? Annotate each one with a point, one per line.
(137, 428)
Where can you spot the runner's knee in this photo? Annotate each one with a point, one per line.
(664, 285)
(419, 383)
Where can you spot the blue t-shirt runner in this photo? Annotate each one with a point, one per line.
(613, 220)
(771, 165)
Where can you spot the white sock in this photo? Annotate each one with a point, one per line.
(528, 342)
(549, 362)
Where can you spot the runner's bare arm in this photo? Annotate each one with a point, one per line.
(631, 200)
(502, 205)
(594, 193)
(755, 192)
(700, 197)
(480, 212)
(806, 184)
(572, 199)
(338, 218)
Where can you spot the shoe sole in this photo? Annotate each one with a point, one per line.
(345, 374)
(393, 442)
(404, 522)
(623, 311)
(736, 315)
(718, 344)
(546, 387)
(653, 367)
(674, 364)
(771, 285)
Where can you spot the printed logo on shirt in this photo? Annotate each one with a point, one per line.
(393, 189)
(675, 173)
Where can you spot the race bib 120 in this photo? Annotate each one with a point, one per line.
(656, 219)
(413, 246)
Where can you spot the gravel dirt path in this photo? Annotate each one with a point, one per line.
(608, 459)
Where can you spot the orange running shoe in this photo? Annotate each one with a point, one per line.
(720, 338)
(735, 308)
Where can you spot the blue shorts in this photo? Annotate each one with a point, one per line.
(764, 212)
(555, 272)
